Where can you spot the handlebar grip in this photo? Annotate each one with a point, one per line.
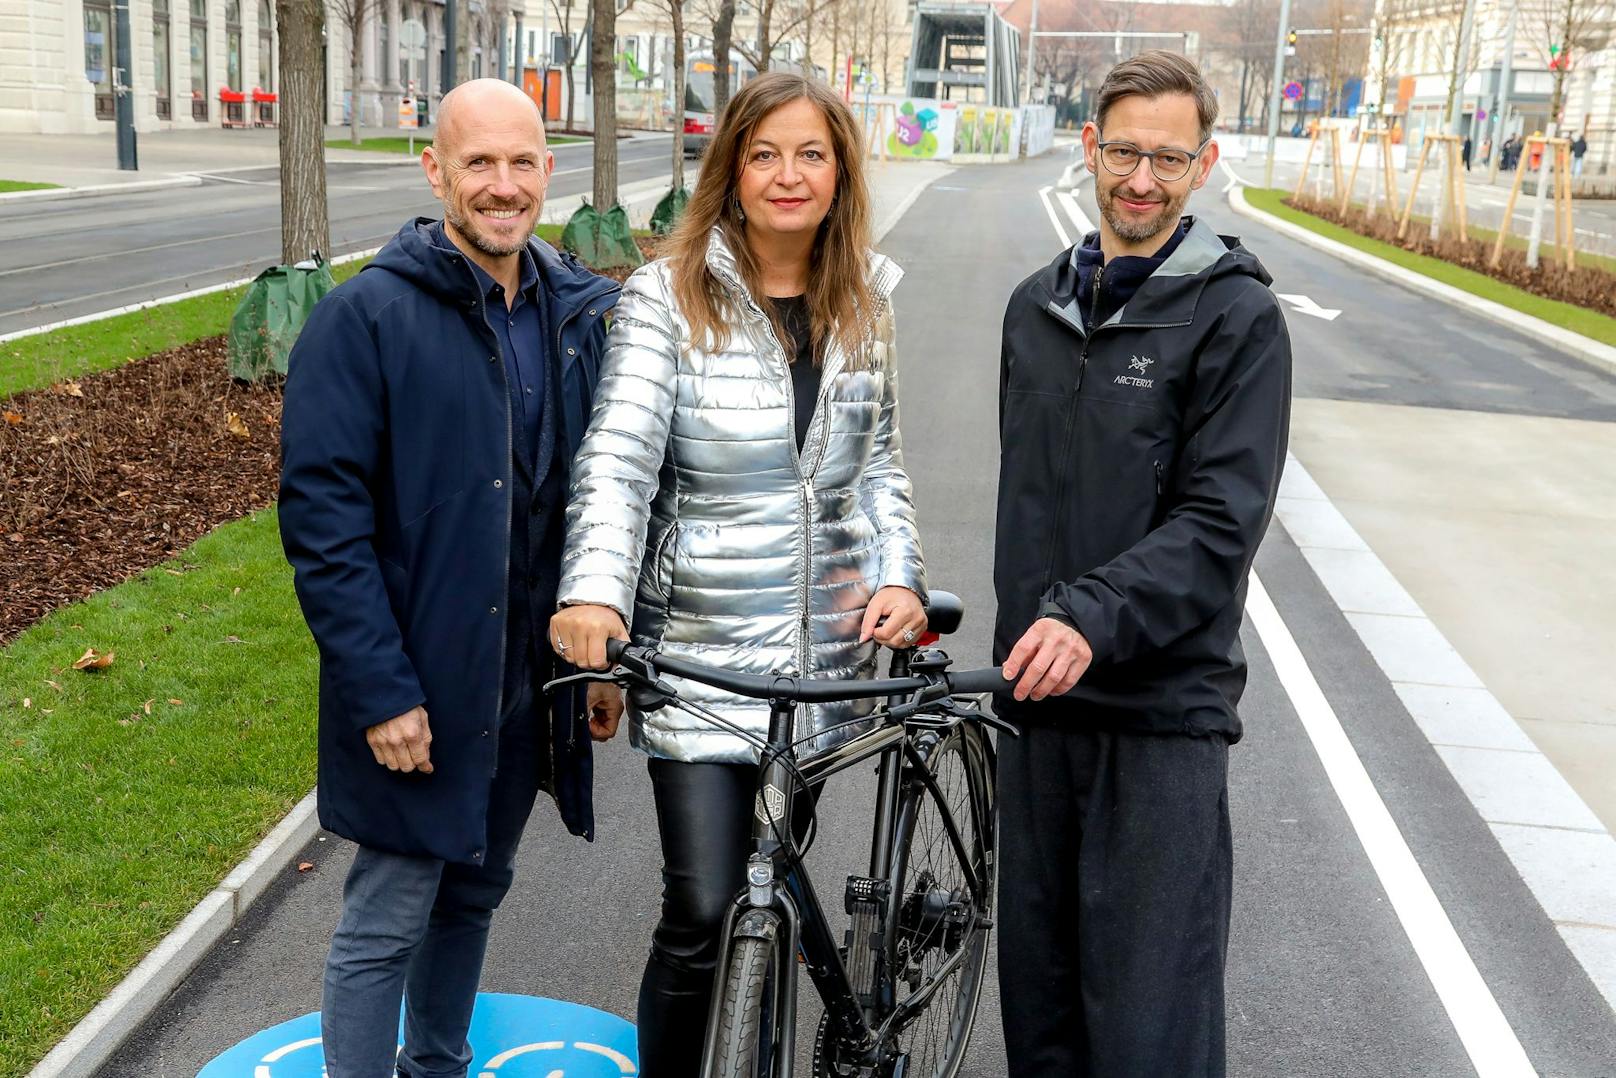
(615, 649)
(990, 679)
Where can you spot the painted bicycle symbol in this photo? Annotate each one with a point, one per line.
(511, 1037)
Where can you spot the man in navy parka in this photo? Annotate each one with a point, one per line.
(432, 410)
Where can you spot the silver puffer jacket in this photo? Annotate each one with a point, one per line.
(695, 517)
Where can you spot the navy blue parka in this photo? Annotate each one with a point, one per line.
(395, 512)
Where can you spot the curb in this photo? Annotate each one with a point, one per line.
(54, 194)
(101, 1032)
(1572, 344)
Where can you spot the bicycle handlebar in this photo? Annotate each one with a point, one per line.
(806, 690)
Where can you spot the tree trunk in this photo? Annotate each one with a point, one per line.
(305, 223)
(603, 67)
(722, 28)
(765, 12)
(572, 86)
(356, 65)
(677, 9)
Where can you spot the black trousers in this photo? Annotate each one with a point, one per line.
(704, 815)
(1114, 882)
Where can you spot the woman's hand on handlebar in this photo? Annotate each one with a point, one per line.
(894, 618)
(579, 634)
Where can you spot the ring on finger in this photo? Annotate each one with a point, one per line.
(910, 636)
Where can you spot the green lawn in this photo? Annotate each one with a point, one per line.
(127, 794)
(401, 144)
(47, 358)
(24, 185)
(1577, 319)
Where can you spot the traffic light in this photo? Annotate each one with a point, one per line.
(1559, 57)
(1290, 38)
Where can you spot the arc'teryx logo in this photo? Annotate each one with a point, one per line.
(1139, 365)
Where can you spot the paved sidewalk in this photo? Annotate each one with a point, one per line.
(92, 160)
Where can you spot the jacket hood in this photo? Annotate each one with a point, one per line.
(443, 272)
(1169, 296)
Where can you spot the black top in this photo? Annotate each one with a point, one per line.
(794, 314)
(1105, 287)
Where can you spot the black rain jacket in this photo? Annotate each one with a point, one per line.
(1138, 471)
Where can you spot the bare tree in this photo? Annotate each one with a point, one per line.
(305, 221)
(496, 14)
(1254, 22)
(769, 34)
(603, 69)
(355, 16)
(563, 16)
(723, 34)
(1393, 47)
(1571, 29)
(676, 11)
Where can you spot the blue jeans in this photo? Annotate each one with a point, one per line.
(414, 929)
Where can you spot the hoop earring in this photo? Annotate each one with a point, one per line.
(739, 211)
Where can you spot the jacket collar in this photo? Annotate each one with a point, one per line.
(423, 255)
(1168, 297)
(884, 273)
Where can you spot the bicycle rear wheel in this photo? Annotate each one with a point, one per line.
(942, 897)
(743, 1014)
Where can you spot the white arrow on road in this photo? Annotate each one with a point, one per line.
(1304, 305)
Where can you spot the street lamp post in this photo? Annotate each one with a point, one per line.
(1506, 76)
(122, 91)
(1275, 93)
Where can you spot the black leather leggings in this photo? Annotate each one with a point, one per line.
(704, 814)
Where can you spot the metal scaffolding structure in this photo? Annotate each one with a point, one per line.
(964, 52)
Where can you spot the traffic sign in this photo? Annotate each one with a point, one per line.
(511, 1037)
(412, 34)
(1293, 91)
(1481, 114)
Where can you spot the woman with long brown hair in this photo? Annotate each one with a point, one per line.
(740, 496)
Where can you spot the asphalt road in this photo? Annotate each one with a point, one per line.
(63, 259)
(1323, 978)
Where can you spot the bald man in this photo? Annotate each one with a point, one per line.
(433, 407)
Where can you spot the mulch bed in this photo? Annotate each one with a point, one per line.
(1586, 286)
(107, 476)
(102, 478)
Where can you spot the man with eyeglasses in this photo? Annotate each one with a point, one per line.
(1144, 407)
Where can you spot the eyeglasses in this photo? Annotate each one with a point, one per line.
(1122, 158)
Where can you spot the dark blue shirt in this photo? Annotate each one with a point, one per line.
(519, 325)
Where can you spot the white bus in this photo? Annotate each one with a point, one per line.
(699, 118)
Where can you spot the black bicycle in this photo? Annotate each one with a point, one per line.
(901, 991)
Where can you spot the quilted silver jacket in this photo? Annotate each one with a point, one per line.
(694, 515)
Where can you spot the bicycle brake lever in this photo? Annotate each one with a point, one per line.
(587, 675)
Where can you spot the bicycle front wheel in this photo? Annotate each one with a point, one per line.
(742, 1014)
(942, 897)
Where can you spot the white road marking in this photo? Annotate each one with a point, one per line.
(1305, 305)
(1075, 212)
(1493, 1048)
(1049, 208)
(1234, 177)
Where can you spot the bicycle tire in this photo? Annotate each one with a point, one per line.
(740, 1015)
(925, 868)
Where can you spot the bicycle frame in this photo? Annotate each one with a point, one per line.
(777, 885)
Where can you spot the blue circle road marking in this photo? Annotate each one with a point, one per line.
(511, 1037)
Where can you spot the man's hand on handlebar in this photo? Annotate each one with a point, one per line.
(579, 634)
(1048, 660)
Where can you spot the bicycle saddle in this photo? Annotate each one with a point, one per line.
(944, 612)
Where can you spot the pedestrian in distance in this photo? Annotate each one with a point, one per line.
(1144, 409)
(432, 409)
(1486, 150)
(1464, 152)
(741, 499)
(1578, 148)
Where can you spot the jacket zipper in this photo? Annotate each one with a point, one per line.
(510, 500)
(1156, 464)
(1094, 298)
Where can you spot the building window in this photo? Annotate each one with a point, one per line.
(266, 47)
(199, 60)
(558, 49)
(532, 48)
(232, 44)
(98, 55)
(162, 57)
